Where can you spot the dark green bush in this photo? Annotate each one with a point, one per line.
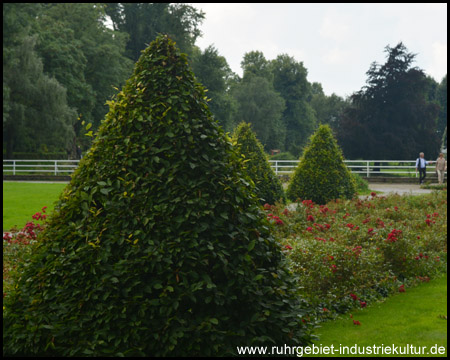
(321, 174)
(268, 186)
(283, 156)
(158, 246)
(38, 156)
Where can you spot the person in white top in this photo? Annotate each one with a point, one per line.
(421, 166)
(441, 168)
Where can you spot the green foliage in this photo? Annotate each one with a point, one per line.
(299, 120)
(362, 186)
(36, 104)
(367, 247)
(213, 71)
(268, 186)
(74, 49)
(321, 174)
(441, 97)
(144, 21)
(327, 109)
(283, 156)
(259, 104)
(158, 246)
(391, 117)
(254, 64)
(39, 155)
(434, 186)
(84, 55)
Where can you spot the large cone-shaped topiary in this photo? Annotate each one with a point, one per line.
(321, 175)
(268, 186)
(158, 245)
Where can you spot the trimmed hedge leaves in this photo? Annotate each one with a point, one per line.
(158, 246)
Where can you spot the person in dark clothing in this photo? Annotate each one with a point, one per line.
(79, 154)
(421, 166)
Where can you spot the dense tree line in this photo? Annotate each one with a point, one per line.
(395, 115)
(62, 62)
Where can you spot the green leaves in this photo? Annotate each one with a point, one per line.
(158, 227)
(268, 186)
(321, 175)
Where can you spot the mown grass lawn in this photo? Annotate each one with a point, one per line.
(21, 200)
(411, 318)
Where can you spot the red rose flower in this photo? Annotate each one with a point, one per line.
(356, 322)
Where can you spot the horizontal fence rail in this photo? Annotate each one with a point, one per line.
(35, 167)
(366, 168)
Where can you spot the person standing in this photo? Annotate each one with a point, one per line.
(79, 153)
(441, 167)
(421, 166)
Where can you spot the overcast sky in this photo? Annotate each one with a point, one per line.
(336, 42)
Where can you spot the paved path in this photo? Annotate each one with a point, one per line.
(411, 189)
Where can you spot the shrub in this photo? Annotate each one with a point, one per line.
(268, 186)
(283, 156)
(158, 246)
(362, 185)
(38, 155)
(321, 174)
(365, 247)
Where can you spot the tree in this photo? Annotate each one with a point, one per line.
(158, 246)
(289, 79)
(327, 109)
(258, 103)
(84, 55)
(268, 186)
(36, 113)
(322, 175)
(255, 64)
(441, 97)
(213, 71)
(391, 117)
(144, 21)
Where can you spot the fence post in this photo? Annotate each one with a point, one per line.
(368, 169)
(276, 167)
(56, 167)
(14, 167)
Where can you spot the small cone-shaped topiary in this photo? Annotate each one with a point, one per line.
(158, 245)
(321, 175)
(268, 186)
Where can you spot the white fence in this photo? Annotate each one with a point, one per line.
(364, 167)
(30, 167)
(406, 168)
